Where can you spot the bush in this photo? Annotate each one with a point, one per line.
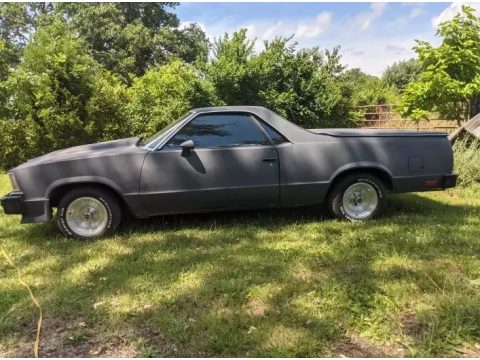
(60, 96)
(367, 89)
(51, 88)
(164, 94)
(402, 73)
(106, 109)
(467, 161)
(14, 140)
(304, 86)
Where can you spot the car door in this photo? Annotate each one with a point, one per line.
(232, 165)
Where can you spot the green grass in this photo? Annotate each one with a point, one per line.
(256, 283)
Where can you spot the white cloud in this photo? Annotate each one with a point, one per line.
(374, 54)
(354, 51)
(370, 51)
(451, 11)
(416, 11)
(363, 20)
(272, 30)
(268, 30)
(314, 28)
(397, 50)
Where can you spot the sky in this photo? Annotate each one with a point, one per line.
(371, 35)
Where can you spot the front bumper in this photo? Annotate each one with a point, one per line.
(32, 211)
(12, 203)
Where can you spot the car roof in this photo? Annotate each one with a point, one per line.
(286, 128)
(245, 108)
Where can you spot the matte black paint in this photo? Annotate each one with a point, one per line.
(297, 172)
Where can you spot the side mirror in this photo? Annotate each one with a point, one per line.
(187, 146)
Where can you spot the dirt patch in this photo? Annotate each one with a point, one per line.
(78, 339)
(303, 274)
(471, 351)
(357, 346)
(257, 308)
(411, 326)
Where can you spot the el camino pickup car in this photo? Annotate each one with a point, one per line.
(226, 158)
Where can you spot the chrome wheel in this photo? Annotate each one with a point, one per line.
(360, 200)
(87, 216)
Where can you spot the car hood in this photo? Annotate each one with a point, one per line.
(84, 151)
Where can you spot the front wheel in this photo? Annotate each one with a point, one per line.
(88, 213)
(357, 197)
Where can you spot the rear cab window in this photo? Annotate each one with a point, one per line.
(276, 137)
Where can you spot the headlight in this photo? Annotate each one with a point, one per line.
(13, 182)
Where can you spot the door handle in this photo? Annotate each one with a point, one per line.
(269, 160)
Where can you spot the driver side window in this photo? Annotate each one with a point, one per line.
(219, 130)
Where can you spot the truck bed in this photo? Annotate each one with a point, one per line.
(376, 133)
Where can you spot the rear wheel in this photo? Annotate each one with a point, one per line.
(88, 213)
(356, 197)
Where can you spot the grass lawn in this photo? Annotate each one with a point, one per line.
(257, 283)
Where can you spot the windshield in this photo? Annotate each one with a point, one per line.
(153, 141)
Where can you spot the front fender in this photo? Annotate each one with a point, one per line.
(82, 179)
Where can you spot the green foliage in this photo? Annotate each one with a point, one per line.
(367, 89)
(231, 72)
(107, 118)
(302, 85)
(451, 72)
(78, 337)
(52, 85)
(467, 160)
(15, 24)
(15, 143)
(128, 38)
(189, 43)
(7, 59)
(164, 94)
(402, 73)
(60, 96)
(75, 73)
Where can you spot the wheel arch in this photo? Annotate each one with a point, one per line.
(59, 188)
(374, 169)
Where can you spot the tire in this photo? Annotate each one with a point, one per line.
(88, 212)
(357, 197)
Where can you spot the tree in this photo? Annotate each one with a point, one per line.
(15, 28)
(364, 89)
(129, 38)
(7, 57)
(450, 75)
(57, 89)
(402, 73)
(189, 43)
(230, 70)
(301, 85)
(18, 22)
(15, 23)
(75, 73)
(163, 94)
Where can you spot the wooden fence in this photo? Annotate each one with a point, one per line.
(386, 117)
